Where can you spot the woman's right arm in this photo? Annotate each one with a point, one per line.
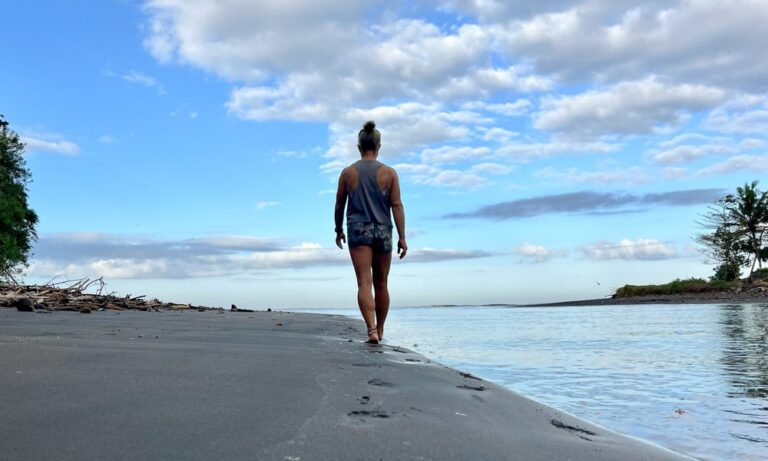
(398, 212)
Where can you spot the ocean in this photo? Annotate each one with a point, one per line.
(693, 378)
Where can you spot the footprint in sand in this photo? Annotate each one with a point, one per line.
(381, 383)
(365, 415)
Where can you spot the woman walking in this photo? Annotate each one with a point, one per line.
(371, 192)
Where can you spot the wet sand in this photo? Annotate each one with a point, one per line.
(264, 385)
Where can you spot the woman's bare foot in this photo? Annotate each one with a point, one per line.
(380, 330)
(373, 336)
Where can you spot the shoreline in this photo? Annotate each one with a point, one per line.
(684, 298)
(264, 385)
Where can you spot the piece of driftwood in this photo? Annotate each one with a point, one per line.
(72, 295)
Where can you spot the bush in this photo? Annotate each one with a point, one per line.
(760, 274)
(726, 272)
(677, 286)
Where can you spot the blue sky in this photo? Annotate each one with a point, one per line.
(189, 150)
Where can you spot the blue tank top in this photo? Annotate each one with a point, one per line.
(367, 203)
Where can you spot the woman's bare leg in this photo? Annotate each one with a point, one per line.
(381, 265)
(362, 260)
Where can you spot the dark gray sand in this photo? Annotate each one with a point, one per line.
(274, 386)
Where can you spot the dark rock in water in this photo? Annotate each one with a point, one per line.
(234, 308)
(85, 310)
(269, 309)
(24, 305)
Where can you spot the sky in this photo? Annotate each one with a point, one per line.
(190, 150)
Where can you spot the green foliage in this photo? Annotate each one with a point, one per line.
(735, 236)
(726, 272)
(760, 274)
(17, 220)
(677, 286)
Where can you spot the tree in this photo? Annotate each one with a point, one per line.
(748, 211)
(722, 243)
(17, 220)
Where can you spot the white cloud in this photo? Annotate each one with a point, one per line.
(497, 134)
(491, 168)
(675, 152)
(106, 139)
(140, 78)
(627, 108)
(450, 154)
(619, 175)
(517, 108)
(531, 253)
(58, 146)
(754, 163)
(744, 114)
(641, 249)
(526, 151)
(697, 41)
(609, 70)
(436, 176)
(266, 204)
(94, 255)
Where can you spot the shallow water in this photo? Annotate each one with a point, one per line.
(693, 378)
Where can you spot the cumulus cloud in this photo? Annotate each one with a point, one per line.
(754, 163)
(112, 256)
(640, 249)
(530, 253)
(689, 147)
(744, 114)
(568, 76)
(587, 202)
(706, 42)
(628, 108)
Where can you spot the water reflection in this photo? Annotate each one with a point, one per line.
(745, 350)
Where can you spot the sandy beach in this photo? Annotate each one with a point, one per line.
(263, 385)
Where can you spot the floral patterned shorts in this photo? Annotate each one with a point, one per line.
(376, 236)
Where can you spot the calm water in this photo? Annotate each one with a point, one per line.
(693, 378)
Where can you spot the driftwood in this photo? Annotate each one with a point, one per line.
(71, 295)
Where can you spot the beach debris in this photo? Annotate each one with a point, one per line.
(24, 305)
(79, 295)
(234, 308)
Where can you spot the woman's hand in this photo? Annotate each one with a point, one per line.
(402, 248)
(340, 237)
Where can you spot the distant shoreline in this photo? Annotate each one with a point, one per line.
(685, 298)
(725, 297)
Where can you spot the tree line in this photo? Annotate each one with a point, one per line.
(734, 234)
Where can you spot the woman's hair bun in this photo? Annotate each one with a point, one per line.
(369, 126)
